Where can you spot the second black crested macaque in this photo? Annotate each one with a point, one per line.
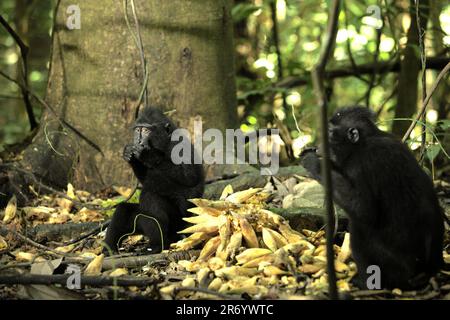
(396, 222)
(166, 187)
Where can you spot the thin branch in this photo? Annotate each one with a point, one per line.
(5, 96)
(434, 63)
(318, 79)
(120, 261)
(426, 101)
(138, 40)
(24, 54)
(44, 186)
(126, 281)
(4, 231)
(276, 42)
(369, 293)
(88, 234)
(423, 61)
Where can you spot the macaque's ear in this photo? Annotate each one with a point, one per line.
(353, 135)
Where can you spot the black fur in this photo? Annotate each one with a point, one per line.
(165, 185)
(395, 218)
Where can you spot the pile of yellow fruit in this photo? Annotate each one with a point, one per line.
(246, 248)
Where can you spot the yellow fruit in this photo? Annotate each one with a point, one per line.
(226, 192)
(341, 267)
(309, 268)
(279, 239)
(203, 276)
(215, 263)
(205, 211)
(235, 271)
(295, 248)
(215, 284)
(268, 258)
(291, 235)
(224, 231)
(273, 217)
(188, 282)
(199, 219)
(269, 240)
(234, 244)
(209, 248)
(273, 271)
(251, 254)
(218, 205)
(167, 290)
(345, 251)
(208, 227)
(321, 250)
(343, 285)
(242, 196)
(190, 242)
(248, 233)
(191, 266)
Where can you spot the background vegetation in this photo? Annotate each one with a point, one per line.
(277, 43)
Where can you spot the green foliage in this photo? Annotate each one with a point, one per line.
(301, 27)
(444, 124)
(116, 200)
(36, 20)
(241, 11)
(432, 151)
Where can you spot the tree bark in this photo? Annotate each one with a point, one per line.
(95, 79)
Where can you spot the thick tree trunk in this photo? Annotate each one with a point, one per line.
(409, 71)
(95, 79)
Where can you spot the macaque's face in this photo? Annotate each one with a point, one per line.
(141, 135)
(153, 136)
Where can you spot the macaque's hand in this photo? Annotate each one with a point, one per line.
(137, 150)
(128, 152)
(310, 161)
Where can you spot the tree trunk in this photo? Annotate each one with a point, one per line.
(409, 70)
(95, 79)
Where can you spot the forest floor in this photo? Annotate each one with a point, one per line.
(235, 247)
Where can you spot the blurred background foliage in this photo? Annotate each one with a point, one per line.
(33, 22)
(277, 43)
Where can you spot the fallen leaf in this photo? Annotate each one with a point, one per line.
(10, 210)
(95, 266)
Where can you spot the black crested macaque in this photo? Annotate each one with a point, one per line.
(165, 186)
(396, 222)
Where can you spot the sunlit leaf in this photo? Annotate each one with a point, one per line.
(243, 10)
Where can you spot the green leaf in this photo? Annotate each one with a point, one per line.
(243, 11)
(444, 124)
(433, 151)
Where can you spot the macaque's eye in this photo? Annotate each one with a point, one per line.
(353, 135)
(145, 131)
(137, 135)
